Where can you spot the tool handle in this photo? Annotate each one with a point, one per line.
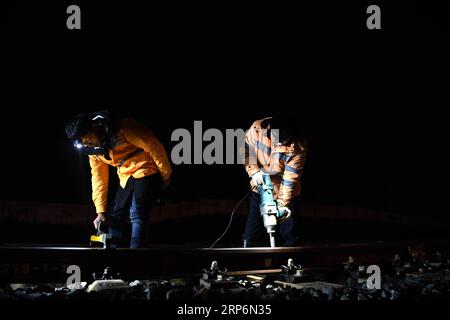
(99, 227)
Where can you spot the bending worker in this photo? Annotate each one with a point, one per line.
(142, 166)
(274, 146)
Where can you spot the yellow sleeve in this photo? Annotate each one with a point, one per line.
(251, 160)
(140, 136)
(100, 180)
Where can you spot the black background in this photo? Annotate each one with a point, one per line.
(373, 101)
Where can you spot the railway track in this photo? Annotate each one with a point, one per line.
(22, 264)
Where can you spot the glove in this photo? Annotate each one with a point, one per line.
(166, 184)
(162, 195)
(100, 218)
(283, 212)
(257, 178)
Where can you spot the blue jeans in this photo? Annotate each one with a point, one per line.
(136, 199)
(256, 235)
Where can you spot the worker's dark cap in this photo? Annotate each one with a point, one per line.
(78, 127)
(288, 126)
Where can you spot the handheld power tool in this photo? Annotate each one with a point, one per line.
(268, 208)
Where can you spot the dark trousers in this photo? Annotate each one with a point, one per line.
(256, 235)
(133, 201)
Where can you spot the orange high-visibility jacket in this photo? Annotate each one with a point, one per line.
(283, 163)
(129, 160)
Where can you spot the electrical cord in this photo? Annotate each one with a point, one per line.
(231, 220)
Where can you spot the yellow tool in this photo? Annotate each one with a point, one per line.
(100, 238)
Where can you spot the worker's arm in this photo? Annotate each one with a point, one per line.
(251, 161)
(291, 176)
(140, 136)
(100, 180)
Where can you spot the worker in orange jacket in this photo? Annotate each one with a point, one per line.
(274, 146)
(142, 166)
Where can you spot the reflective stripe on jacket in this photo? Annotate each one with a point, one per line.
(283, 163)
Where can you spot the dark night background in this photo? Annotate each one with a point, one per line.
(372, 102)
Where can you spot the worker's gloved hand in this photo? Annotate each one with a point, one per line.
(258, 178)
(166, 184)
(283, 212)
(101, 217)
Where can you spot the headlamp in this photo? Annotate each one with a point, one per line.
(88, 150)
(77, 144)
